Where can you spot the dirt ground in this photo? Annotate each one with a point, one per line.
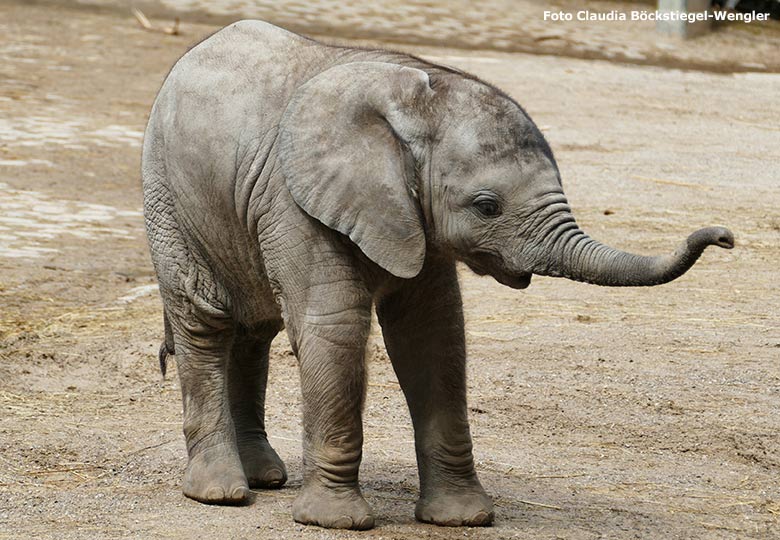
(596, 413)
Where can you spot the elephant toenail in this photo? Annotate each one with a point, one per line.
(344, 522)
(366, 522)
(240, 493)
(215, 494)
(274, 477)
(482, 518)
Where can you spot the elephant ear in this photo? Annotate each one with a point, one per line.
(344, 149)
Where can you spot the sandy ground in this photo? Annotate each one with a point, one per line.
(596, 413)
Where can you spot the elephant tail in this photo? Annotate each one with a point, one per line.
(166, 347)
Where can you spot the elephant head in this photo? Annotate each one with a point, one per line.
(403, 162)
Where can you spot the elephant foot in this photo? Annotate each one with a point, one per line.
(472, 508)
(215, 476)
(263, 467)
(333, 508)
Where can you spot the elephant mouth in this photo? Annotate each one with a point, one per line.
(519, 281)
(513, 280)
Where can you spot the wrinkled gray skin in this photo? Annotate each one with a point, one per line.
(292, 184)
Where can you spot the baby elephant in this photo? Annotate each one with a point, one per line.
(288, 183)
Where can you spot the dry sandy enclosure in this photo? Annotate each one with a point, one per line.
(596, 413)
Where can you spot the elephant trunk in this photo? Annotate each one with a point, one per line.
(572, 254)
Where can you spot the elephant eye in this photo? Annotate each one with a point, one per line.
(487, 206)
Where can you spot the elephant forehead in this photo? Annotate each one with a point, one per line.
(470, 155)
(484, 139)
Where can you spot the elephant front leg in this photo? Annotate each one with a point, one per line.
(422, 325)
(214, 474)
(330, 343)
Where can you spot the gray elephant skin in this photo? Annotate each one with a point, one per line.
(292, 184)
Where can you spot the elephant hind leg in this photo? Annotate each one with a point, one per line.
(214, 474)
(198, 320)
(247, 378)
